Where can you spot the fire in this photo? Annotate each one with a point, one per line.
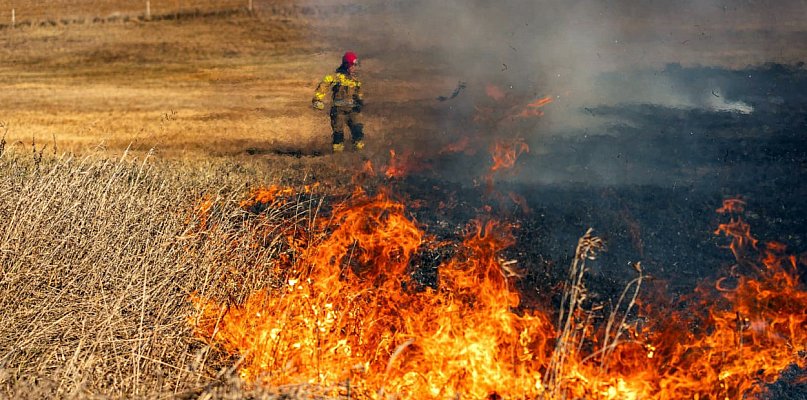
(506, 152)
(736, 228)
(349, 307)
(395, 169)
(200, 215)
(732, 206)
(367, 168)
(401, 165)
(534, 109)
(348, 316)
(265, 196)
(757, 324)
(509, 107)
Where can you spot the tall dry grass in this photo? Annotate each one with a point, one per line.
(97, 259)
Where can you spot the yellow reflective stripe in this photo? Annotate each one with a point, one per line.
(331, 80)
(327, 81)
(345, 81)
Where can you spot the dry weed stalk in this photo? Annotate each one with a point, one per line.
(571, 308)
(575, 320)
(614, 331)
(98, 257)
(4, 128)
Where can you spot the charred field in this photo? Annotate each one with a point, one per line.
(652, 177)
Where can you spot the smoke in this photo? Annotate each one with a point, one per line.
(584, 54)
(566, 45)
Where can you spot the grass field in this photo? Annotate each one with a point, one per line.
(112, 133)
(63, 11)
(215, 86)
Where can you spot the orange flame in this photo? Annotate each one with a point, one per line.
(265, 196)
(756, 326)
(506, 152)
(367, 168)
(200, 215)
(348, 314)
(732, 206)
(401, 165)
(737, 229)
(534, 109)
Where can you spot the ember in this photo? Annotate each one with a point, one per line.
(401, 165)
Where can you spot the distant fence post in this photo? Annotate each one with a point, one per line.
(250, 5)
(13, 17)
(148, 9)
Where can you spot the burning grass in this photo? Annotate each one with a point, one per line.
(348, 319)
(128, 278)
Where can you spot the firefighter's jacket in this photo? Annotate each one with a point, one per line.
(345, 89)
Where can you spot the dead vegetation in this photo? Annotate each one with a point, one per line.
(228, 83)
(100, 253)
(231, 85)
(97, 258)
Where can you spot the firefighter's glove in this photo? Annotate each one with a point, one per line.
(318, 105)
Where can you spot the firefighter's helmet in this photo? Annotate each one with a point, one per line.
(350, 58)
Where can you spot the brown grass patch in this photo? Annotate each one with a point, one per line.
(98, 257)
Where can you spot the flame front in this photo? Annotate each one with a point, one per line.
(349, 308)
(349, 317)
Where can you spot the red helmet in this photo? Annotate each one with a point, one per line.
(350, 58)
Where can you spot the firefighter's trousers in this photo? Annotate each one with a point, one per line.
(341, 116)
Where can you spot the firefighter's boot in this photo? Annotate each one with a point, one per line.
(357, 133)
(338, 147)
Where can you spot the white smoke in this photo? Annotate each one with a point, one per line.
(563, 49)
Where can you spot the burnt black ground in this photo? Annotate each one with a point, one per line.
(649, 182)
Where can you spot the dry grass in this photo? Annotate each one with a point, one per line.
(97, 260)
(85, 10)
(577, 316)
(225, 86)
(209, 86)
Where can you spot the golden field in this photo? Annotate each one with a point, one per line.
(220, 85)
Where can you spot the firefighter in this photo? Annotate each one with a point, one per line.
(346, 102)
